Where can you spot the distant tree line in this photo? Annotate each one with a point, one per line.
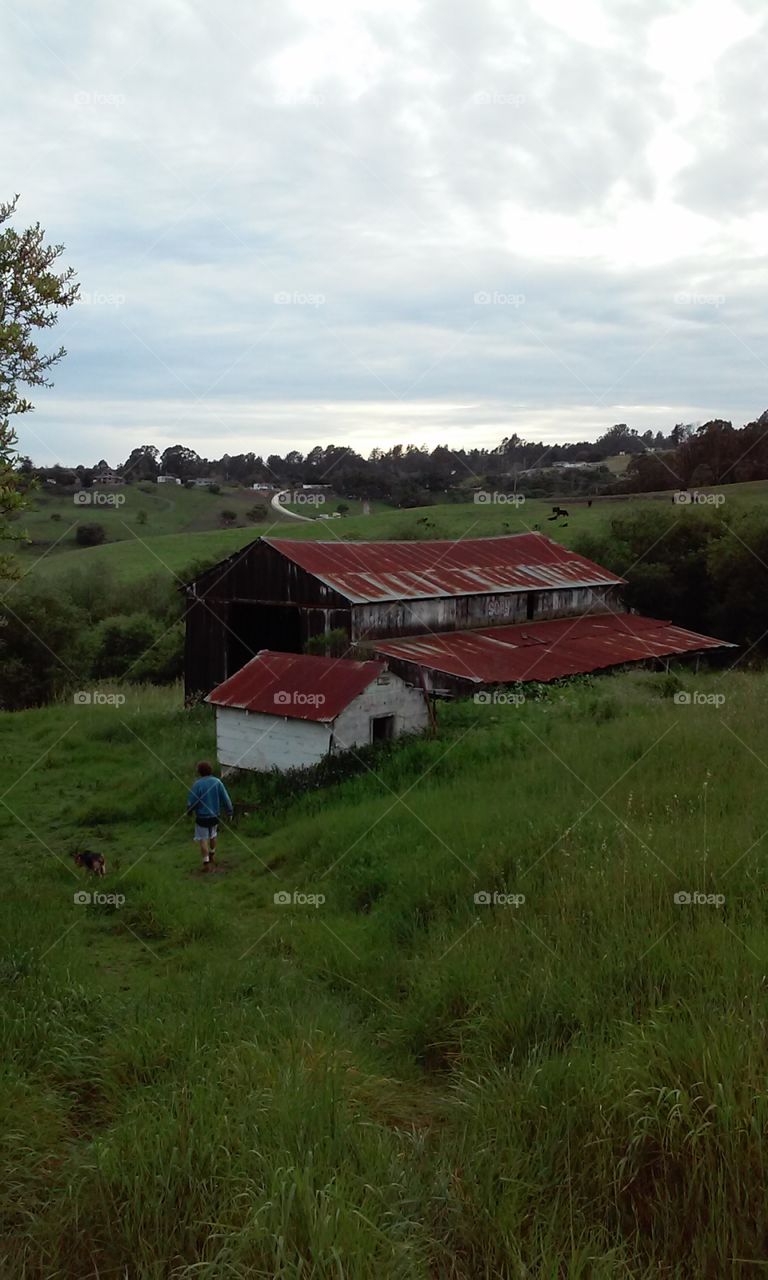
(407, 475)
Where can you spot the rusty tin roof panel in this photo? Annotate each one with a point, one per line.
(299, 686)
(365, 572)
(547, 650)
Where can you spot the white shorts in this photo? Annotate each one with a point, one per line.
(204, 833)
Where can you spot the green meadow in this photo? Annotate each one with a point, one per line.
(171, 540)
(403, 1079)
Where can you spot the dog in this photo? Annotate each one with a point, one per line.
(93, 862)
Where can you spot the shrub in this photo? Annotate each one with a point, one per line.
(214, 488)
(90, 535)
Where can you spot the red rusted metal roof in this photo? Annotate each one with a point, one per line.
(547, 650)
(368, 571)
(296, 685)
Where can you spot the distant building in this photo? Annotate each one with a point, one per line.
(107, 477)
(287, 711)
(203, 482)
(168, 480)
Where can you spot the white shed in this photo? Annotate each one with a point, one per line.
(289, 710)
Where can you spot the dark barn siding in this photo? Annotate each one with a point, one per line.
(256, 599)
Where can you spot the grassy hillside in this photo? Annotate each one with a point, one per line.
(401, 1081)
(141, 552)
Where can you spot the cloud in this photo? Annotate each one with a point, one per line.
(282, 218)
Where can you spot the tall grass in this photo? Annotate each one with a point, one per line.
(400, 1081)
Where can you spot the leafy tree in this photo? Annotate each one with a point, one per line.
(44, 647)
(228, 517)
(142, 463)
(122, 642)
(178, 460)
(31, 294)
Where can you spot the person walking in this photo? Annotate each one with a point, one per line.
(206, 799)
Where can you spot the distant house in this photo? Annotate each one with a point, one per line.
(168, 480)
(203, 482)
(107, 477)
(264, 488)
(287, 711)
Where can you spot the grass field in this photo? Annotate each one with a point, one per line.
(401, 1081)
(140, 551)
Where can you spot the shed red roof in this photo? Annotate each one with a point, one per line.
(296, 685)
(547, 650)
(367, 571)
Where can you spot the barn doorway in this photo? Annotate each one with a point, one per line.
(382, 728)
(530, 604)
(260, 626)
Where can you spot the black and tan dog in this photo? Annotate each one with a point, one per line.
(93, 862)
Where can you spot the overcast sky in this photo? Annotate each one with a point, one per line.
(377, 221)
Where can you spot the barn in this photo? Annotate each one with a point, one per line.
(287, 711)
(278, 593)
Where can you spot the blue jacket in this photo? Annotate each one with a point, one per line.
(207, 797)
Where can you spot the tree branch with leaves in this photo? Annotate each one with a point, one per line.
(32, 293)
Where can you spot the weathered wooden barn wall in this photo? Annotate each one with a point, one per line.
(458, 613)
(229, 618)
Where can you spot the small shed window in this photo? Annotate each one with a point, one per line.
(382, 728)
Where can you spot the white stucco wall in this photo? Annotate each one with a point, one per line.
(251, 740)
(353, 726)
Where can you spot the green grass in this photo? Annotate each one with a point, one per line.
(400, 1082)
(136, 550)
